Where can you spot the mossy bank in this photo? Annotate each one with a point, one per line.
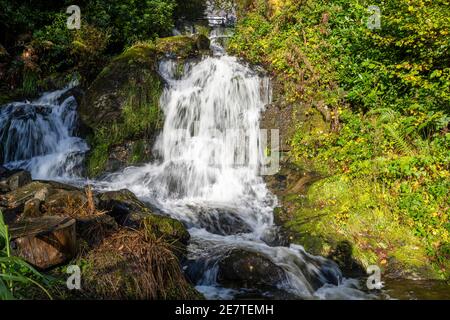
(364, 122)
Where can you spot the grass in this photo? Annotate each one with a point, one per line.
(135, 264)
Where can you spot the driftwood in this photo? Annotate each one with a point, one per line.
(44, 242)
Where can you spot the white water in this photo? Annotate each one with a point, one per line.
(39, 136)
(208, 177)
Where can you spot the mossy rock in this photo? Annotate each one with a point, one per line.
(124, 207)
(171, 230)
(122, 104)
(348, 222)
(129, 211)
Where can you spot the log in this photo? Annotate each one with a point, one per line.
(44, 242)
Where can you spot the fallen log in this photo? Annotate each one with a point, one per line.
(44, 242)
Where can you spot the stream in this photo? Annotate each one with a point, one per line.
(208, 175)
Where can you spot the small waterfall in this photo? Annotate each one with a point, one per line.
(39, 136)
(208, 177)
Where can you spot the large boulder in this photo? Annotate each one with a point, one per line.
(121, 107)
(248, 269)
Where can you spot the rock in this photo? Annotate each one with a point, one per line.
(75, 92)
(129, 152)
(13, 179)
(242, 268)
(171, 230)
(54, 198)
(124, 207)
(44, 242)
(221, 221)
(3, 171)
(127, 210)
(342, 255)
(129, 82)
(202, 42)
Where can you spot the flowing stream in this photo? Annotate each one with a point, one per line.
(39, 136)
(207, 175)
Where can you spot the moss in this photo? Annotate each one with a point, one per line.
(169, 229)
(337, 209)
(122, 105)
(138, 152)
(180, 46)
(98, 155)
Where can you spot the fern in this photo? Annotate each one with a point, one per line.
(400, 143)
(385, 115)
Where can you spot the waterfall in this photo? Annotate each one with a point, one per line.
(39, 136)
(207, 176)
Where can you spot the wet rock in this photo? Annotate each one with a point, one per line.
(44, 242)
(13, 179)
(242, 268)
(76, 92)
(342, 255)
(221, 221)
(129, 152)
(171, 230)
(124, 207)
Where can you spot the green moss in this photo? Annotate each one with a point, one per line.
(168, 228)
(180, 46)
(123, 102)
(338, 209)
(138, 152)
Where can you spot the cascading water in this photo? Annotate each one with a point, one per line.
(39, 136)
(210, 154)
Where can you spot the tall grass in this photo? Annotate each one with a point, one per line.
(15, 273)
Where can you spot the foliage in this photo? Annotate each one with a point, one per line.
(132, 20)
(389, 88)
(107, 27)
